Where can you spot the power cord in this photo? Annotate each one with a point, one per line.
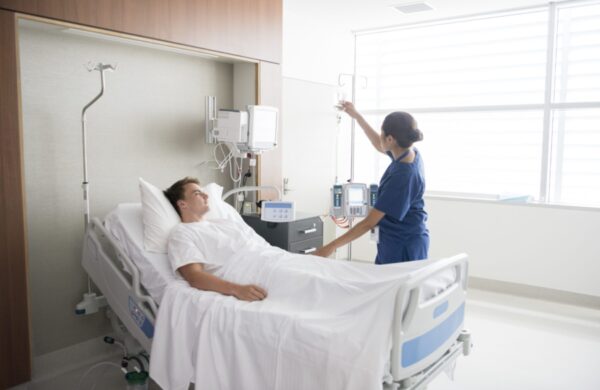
(247, 175)
(92, 368)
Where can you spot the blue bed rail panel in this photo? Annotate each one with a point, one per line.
(416, 349)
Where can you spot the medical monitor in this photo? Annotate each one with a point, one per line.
(355, 200)
(263, 122)
(232, 126)
(356, 196)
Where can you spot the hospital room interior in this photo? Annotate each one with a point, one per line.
(373, 194)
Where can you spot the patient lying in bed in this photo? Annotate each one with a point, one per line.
(228, 257)
(326, 324)
(191, 241)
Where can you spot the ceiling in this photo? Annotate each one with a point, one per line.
(363, 14)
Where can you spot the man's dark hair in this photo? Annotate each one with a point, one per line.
(175, 192)
(403, 127)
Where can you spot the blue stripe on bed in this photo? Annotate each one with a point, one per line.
(420, 347)
(441, 309)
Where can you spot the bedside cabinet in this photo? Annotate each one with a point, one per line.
(303, 235)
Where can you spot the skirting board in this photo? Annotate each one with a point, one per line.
(526, 291)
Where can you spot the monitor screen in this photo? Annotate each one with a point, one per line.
(262, 127)
(279, 205)
(356, 196)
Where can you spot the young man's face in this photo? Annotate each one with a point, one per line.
(194, 200)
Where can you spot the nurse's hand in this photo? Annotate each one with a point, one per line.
(325, 251)
(349, 108)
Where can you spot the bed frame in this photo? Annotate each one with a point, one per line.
(427, 338)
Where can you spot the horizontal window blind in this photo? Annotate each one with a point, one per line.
(576, 158)
(490, 61)
(577, 67)
(478, 89)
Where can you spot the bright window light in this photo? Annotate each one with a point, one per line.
(575, 166)
(480, 91)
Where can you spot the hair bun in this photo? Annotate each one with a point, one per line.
(417, 135)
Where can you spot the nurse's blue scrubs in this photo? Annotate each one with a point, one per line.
(403, 235)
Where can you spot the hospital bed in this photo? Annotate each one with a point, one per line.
(427, 333)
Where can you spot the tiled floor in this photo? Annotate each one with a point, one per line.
(519, 344)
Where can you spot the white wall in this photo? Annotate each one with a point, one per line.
(310, 131)
(551, 247)
(541, 246)
(149, 123)
(315, 52)
(313, 49)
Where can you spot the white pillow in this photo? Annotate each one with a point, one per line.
(217, 208)
(159, 217)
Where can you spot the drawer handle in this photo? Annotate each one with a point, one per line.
(309, 250)
(308, 231)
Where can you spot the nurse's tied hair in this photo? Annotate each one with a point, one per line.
(175, 192)
(403, 127)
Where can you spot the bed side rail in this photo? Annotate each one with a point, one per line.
(424, 329)
(96, 224)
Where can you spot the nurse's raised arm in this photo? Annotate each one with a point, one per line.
(373, 136)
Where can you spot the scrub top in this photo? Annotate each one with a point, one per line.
(403, 235)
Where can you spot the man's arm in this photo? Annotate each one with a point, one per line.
(194, 274)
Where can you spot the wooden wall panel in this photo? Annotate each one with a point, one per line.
(248, 28)
(15, 356)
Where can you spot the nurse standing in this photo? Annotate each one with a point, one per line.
(399, 212)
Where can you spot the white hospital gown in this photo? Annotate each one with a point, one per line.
(213, 243)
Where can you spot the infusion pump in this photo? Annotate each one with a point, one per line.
(352, 199)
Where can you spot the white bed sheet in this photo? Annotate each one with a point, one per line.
(326, 324)
(125, 224)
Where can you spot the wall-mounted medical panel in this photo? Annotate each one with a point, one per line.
(247, 28)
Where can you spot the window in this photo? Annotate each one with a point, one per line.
(576, 160)
(575, 128)
(504, 107)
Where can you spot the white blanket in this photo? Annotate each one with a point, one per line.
(326, 324)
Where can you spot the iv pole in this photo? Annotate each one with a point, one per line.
(352, 137)
(352, 134)
(85, 184)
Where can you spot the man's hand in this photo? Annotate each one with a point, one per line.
(324, 251)
(249, 292)
(349, 108)
(194, 274)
